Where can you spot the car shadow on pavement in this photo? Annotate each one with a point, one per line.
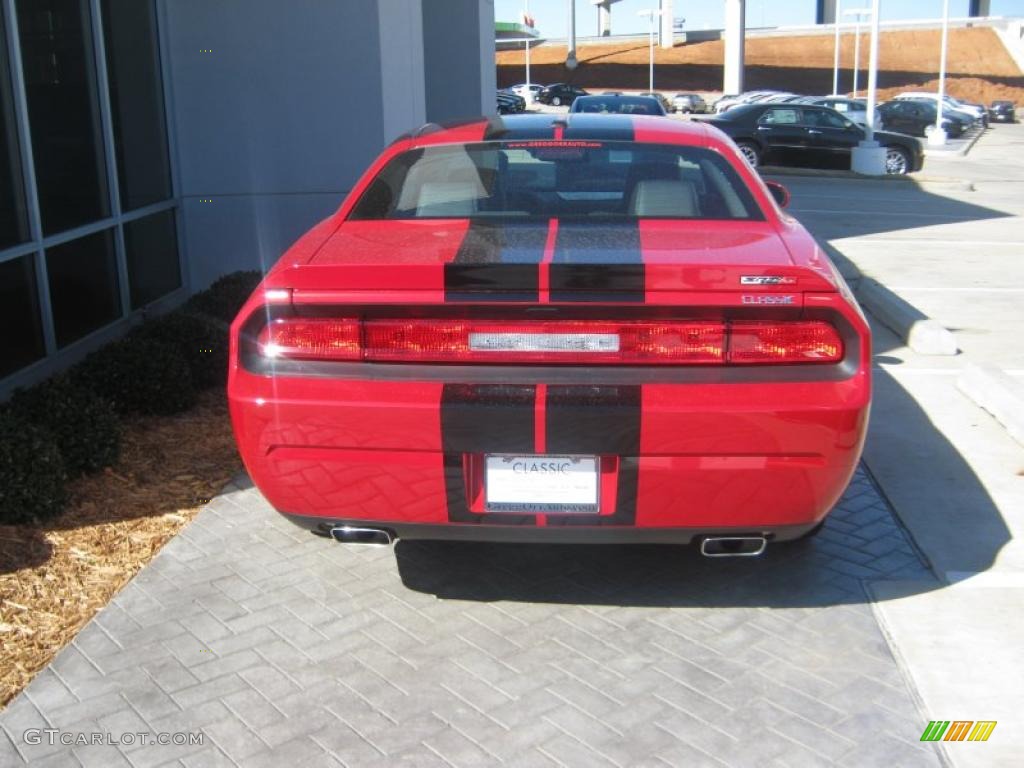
(863, 539)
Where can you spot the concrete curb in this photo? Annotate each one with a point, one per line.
(998, 393)
(922, 334)
(959, 152)
(820, 173)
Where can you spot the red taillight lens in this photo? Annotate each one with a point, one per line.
(601, 342)
(799, 342)
(312, 339)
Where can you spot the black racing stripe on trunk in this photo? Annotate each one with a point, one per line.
(597, 262)
(598, 420)
(599, 127)
(479, 419)
(498, 130)
(497, 261)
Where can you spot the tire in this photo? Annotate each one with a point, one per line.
(556, 101)
(897, 162)
(750, 153)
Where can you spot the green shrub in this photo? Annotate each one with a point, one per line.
(31, 472)
(139, 375)
(201, 341)
(226, 296)
(83, 425)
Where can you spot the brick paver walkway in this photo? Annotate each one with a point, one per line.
(284, 649)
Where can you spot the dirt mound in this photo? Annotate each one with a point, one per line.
(979, 66)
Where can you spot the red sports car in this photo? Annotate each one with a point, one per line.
(536, 328)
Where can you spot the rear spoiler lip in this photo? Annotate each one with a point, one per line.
(425, 283)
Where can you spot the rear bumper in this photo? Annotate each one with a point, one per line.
(677, 460)
(518, 534)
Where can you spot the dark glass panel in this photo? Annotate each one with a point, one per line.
(151, 245)
(136, 101)
(13, 224)
(21, 335)
(83, 285)
(60, 82)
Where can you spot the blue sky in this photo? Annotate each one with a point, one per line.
(551, 15)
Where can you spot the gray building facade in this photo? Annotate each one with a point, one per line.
(149, 146)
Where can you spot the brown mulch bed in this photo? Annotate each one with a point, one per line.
(56, 576)
(980, 68)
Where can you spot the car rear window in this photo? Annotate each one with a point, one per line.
(557, 179)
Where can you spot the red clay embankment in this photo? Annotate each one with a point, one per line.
(979, 67)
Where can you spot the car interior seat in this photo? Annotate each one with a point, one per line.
(664, 197)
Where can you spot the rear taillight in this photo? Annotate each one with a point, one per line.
(798, 342)
(632, 342)
(313, 339)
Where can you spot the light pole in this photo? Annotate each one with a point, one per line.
(858, 12)
(868, 157)
(528, 21)
(835, 62)
(938, 135)
(650, 13)
(570, 56)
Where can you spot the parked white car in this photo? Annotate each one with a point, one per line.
(852, 109)
(522, 89)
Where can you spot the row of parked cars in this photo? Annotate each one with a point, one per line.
(776, 128)
(565, 94)
(912, 112)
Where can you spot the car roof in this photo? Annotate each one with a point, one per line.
(580, 126)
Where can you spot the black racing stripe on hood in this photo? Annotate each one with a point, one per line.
(597, 420)
(479, 419)
(597, 262)
(599, 127)
(497, 261)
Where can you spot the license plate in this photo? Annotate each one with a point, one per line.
(539, 484)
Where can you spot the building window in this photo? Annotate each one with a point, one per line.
(63, 111)
(137, 102)
(88, 217)
(83, 286)
(151, 246)
(19, 315)
(13, 220)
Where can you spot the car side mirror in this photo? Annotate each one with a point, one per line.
(779, 193)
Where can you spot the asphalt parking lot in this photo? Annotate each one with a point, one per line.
(280, 648)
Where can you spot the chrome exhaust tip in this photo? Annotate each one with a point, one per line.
(733, 546)
(348, 534)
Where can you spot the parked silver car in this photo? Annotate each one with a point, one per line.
(688, 103)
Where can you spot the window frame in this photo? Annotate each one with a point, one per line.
(37, 244)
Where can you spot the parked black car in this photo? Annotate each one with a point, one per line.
(620, 105)
(1002, 111)
(560, 93)
(916, 118)
(817, 137)
(510, 103)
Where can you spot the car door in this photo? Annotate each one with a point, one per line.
(832, 136)
(782, 132)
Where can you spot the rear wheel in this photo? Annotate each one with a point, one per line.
(750, 153)
(897, 163)
(556, 101)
